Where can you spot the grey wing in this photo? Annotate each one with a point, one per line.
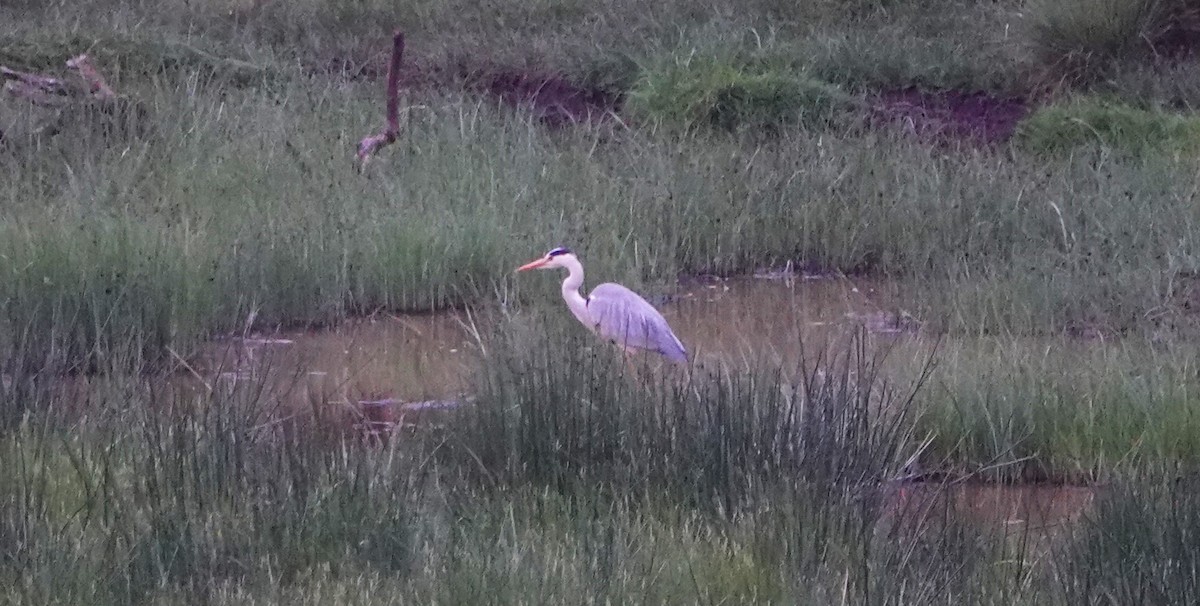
(620, 315)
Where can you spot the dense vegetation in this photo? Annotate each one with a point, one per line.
(1053, 272)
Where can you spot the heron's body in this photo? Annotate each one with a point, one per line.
(614, 312)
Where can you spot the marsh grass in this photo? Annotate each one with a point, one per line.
(557, 411)
(957, 46)
(129, 57)
(1068, 413)
(248, 187)
(1173, 86)
(810, 544)
(252, 208)
(1093, 27)
(160, 489)
(736, 484)
(81, 294)
(568, 478)
(180, 236)
(230, 196)
(1146, 527)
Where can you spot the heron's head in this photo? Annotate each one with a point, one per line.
(557, 257)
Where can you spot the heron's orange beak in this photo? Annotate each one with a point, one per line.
(534, 264)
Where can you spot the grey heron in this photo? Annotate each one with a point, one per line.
(612, 311)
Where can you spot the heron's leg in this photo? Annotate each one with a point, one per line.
(634, 371)
(628, 355)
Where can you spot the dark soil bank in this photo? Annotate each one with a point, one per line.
(951, 115)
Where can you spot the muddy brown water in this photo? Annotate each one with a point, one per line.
(395, 371)
(423, 358)
(388, 370)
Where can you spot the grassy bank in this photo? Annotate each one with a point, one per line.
(252, 206)
(237, 196)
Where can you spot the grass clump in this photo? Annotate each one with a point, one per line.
(870, 57)
(1071, 413)
(1092, 28)
(1149, 529)
(1082, 40)
(81, 296)
(561, 412)
(1089, 121)
(700, 91)
(161, 491)
(1175, 86)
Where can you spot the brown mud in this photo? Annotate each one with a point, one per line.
(551, 99)
(947, 116)
(977, 118)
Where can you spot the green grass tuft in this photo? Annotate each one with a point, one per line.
(1095, 122)
(700, 91)
(1071, 413)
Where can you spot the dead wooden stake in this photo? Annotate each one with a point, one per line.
(372, 143)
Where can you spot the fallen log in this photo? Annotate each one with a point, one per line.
(38, 88)
(24, 84)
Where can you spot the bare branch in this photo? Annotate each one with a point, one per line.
(27, 82)
(34, 94)
(372, 143)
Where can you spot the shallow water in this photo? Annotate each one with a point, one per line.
(754, 319)
(387, 360)
(381, 362)
(403, 370)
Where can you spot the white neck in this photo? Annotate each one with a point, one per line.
(570, 291)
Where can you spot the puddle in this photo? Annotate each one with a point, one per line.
(389, 370)
(748, 319)
(395, 360)
(381, 367)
